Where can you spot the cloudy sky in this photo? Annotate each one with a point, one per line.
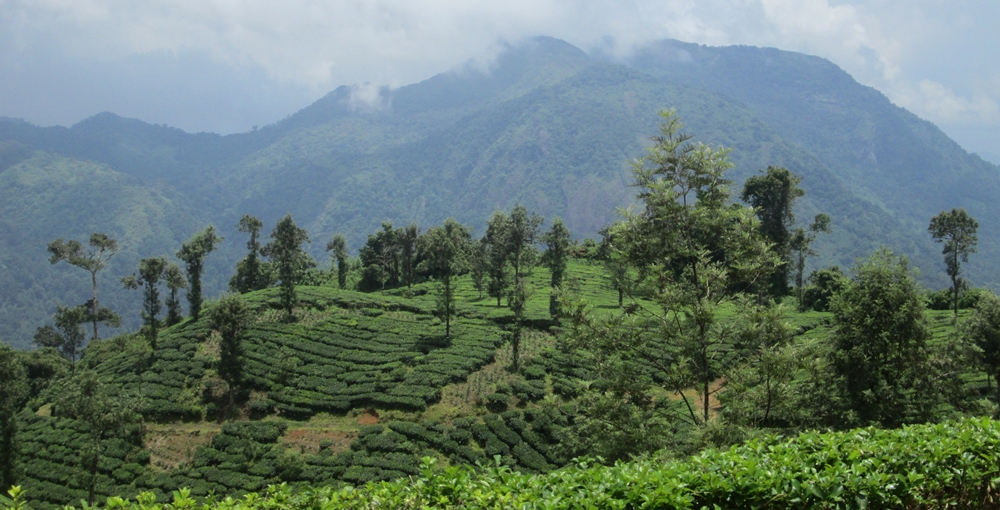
(226, 65)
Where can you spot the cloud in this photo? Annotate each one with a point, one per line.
(923, 54)
(940, 102)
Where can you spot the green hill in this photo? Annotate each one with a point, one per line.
(547, 126)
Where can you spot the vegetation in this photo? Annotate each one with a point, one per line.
(656, 344)
(957, 230)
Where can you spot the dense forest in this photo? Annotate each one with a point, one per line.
(684, 358)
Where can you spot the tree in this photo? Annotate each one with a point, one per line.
(446, 251)
(557, 242)
(694, 250)
(800, 245)
(772, 196)
(231, 317)
(380, 258)
(983, 330)
(615, 267)
(289, 259)
(407, 239)
(249, 275)
(175, 281)
(957, 230)
(519, 295)
(338, 245)
(880, 340)
(496, 254)
(151, 271)
(102, 248)
(522, 231)
(13, 392)
(67, 336)
(193, 253)
(103, 414)
(479, 266)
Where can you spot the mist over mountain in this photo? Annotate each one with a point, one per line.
(547, 126)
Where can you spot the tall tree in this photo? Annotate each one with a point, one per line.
(695, 251)
(407, 239)
(102, 248)
(522, 232)
(175, 280)
(193, 253)
(103, 413)
(151, 271)
(380, 259)
(13, 392)
(249, 275)
(231, 317)
(446, 251)
(557, 245)
(496, 254)
(772, 196)
(615, 266)
(338, 245)
(880, 338)
(289, 259)
(518, 298)
(800, 247)
(67, 336)
(479, 266)
(957, 230)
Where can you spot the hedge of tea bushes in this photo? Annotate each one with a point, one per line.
(949, 465)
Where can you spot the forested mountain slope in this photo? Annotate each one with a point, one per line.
(881, 152)
(546, 125)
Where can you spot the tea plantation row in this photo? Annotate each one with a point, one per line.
(950, 465)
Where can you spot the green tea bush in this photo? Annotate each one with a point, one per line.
(950, 465)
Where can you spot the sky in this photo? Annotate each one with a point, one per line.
(228, 65)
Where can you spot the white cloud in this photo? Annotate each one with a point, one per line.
(914, 50)
(942, 104)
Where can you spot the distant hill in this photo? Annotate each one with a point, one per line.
(547, 126)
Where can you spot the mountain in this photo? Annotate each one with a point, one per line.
(546, 125)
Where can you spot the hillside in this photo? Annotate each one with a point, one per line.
(547, 126)
(358, 389)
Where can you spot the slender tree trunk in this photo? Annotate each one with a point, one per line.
(621, 297)
(447, 308)
(93, 278)
(706, 397)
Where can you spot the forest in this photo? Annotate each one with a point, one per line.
(685, 359)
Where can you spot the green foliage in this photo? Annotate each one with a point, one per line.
(103, 414)
(13, 392)
(772, 195)
(933, 466)
(557, 244)
(957, 230)
(823, 285)
(446, 256)
(230, 317)
(193, 253)
(175, 281)
(151, 270)
(102, 248)
(983, 330)
(338, 247)
(290, 261)
(67, 336)
(250, 275)
(800, 248)
(880, 343)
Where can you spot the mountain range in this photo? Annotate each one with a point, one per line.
(547, 125)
